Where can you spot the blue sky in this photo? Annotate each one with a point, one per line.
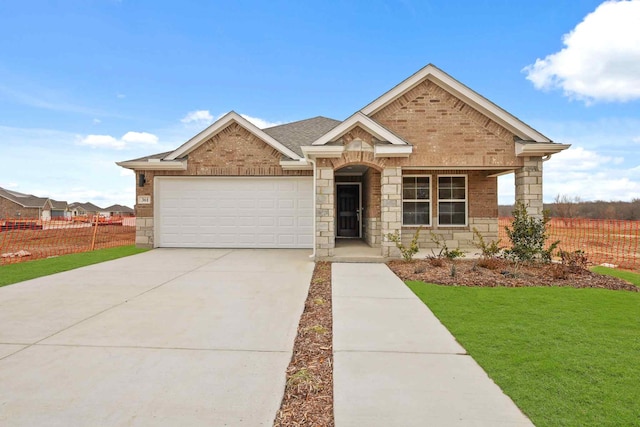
(86, 83)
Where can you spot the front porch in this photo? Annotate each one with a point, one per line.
(359, 204)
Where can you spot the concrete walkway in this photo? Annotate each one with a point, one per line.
(396, 365)
(166, 338)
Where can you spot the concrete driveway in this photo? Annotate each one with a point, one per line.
(174, 337)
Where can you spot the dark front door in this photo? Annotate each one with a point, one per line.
(348, 210)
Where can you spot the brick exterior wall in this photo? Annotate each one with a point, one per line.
(445, 131)
(10, 209)
(371, 204)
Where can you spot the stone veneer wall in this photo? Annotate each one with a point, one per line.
(325, 212)
(391, 205)
(529, 186)
(371, 205)
(458, 237)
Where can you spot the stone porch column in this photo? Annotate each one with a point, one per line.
(529, 186)
(325, 212)
(391, 208)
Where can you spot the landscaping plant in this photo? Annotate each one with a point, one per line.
(407, 252)
(528, 236)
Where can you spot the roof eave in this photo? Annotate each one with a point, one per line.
(537, 149)
(323, 151)
(388, 150)
(295, 165)
(162, 165)
(359, 119)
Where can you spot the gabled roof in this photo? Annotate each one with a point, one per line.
(86, 206)
(222, 123)
(24, 200)
(303, 132)
(469, 96)
(368, 124)
(118, 208)
(58, 204)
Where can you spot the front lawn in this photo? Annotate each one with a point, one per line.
(13, 273)
(567, 357)
(620, 274)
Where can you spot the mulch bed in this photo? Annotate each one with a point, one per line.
(495, 272)
(308, 395)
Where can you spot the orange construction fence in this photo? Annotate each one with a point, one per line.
(28, 239)
(604, 241)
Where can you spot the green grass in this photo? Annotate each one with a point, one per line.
(633, 278)
(567, 357)
(13, 273)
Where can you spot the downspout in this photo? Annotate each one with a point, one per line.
(313, 254)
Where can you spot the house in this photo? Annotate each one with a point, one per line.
(84, 209)
(14, 205)
(59, 209)
(119, 210)
(426, 153)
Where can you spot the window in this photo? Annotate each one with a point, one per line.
(416, 200)
(452, 200)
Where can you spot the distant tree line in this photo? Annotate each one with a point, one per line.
(573, 207)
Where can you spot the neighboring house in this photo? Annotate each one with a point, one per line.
(26, 206)
(426, 153)
(59, 209)
(119, 210)
(84, 209)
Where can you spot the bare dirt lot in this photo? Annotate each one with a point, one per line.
(62, 240)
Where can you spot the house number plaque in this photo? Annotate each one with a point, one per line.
(144, 200)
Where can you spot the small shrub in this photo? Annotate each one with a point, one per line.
(445, 252)
(490, 263)
(407, 253)
(436, 262)
(419, 269)
(528, 236)
(489, 250)
(559, 271)
(575, 261)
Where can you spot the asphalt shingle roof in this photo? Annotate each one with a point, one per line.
(297, 134)
(26, 200)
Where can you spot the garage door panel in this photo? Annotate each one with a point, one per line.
(235, 212)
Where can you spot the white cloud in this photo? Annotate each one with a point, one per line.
(261, 123)
(105, 141)
(601, 57)
(636, 139)
(97, 121)
(128, 139)
(121, 95)
(140, 138)
(587, 174)
(198, 116)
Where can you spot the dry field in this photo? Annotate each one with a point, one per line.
(61, 238)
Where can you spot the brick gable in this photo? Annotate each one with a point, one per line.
(445, 131)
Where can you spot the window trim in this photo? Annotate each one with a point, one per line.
(428, 201)
(466, 200)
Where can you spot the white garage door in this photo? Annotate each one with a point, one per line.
(265, 212)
